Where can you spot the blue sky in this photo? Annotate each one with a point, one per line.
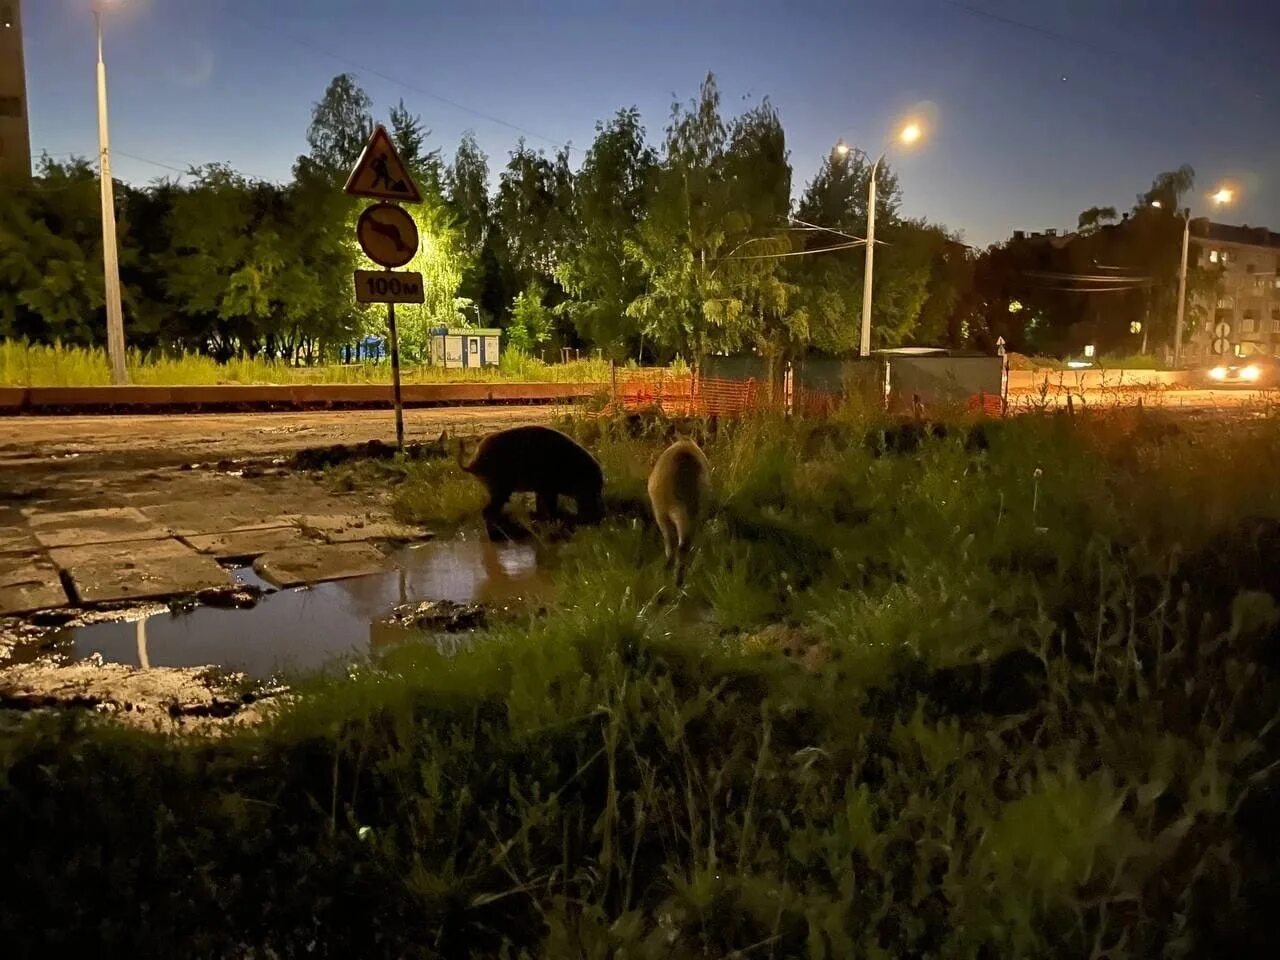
(1079, 102)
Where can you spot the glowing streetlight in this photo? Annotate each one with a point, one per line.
(909, 134)
(110, 255)
(1223, 195)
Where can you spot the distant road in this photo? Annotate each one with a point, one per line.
(90, 442)
(1171, 399)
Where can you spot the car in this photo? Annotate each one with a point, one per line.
(1257, 371)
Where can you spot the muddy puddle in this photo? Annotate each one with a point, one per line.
(305, 628)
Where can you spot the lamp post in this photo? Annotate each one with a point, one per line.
(909, 134)
(1221, 196)
(110, 256)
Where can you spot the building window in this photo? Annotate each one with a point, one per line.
(1249, 268)
(1225, 303)
(1249, 322)
(10, 107)
(1213, 256)
(6, 16)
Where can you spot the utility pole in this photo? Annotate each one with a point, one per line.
(1182, 289)
(110, 256)
(864, 343)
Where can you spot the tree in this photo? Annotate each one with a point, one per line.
(1168, 189)
(529, 212)
(410, 138)
(830, 283)
(531, 321)
(706, 246)
(467, 190)
(1091, 220)
(610, 200)
(341, 124)
(51, 284)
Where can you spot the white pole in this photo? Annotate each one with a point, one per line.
(110, 258)
(1182, 288)
(864, 348)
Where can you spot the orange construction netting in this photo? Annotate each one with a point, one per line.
(682, 395)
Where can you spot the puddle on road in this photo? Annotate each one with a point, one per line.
(305, 628)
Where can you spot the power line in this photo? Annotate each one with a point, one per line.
(798, 253)
(315, 48)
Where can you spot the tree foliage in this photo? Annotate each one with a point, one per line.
(685, 248)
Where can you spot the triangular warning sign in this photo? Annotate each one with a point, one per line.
(381, 174)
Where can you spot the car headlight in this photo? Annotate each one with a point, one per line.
(1218, 373)
(1251, 372)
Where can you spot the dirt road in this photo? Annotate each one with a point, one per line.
(96, 442)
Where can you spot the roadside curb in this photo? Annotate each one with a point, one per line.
(17, 401)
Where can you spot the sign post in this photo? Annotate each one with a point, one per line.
(395, 376)
(389, 237)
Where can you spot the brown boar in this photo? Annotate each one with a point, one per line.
(541, 461)
(679, 488)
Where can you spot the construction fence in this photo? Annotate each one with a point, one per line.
(728, 386)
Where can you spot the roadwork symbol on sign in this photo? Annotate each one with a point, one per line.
(387, 235)
(381, 174)
(384, 286)
(1220, 346)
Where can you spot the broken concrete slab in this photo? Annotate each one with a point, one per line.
(28, 581)
(215, 514)
(345, 528)
(104, 525)
(250, 543)
(15, 538)
(143, 569)
(320, 562)
(189, 699)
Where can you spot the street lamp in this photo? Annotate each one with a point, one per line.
(110, 256)
(909, 134)
(1222, 195)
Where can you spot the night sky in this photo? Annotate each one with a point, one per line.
(1080, 102)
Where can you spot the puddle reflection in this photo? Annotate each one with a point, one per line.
(305, 628)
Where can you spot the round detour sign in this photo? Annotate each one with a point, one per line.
(388, 235)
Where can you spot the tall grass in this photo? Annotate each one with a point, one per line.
(983, 699)
(38, 365)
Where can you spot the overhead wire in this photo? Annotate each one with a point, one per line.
(401, 82)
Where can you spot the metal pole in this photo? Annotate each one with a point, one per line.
(395, 376)
(1182, 288)
(864, 346)
(110, 261)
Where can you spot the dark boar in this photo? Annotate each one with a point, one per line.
(679, 487)
(541, 461)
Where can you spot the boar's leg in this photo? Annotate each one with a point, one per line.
(547, 507)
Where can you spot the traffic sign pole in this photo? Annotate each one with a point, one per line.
(389, 237)
(395, 376)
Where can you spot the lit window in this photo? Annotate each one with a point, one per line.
(1213, 256)
(6, 16)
